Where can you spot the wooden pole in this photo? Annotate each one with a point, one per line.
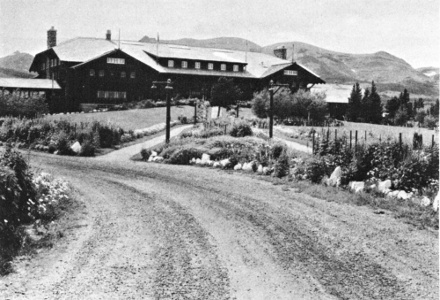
(271, 112)
(336, 135)
(355, 140)
(350, 139)
(313, 143)
(433, 142)
(400, 142)
(365, 136)
(328, 135)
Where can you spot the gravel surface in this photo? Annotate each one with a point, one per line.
(156, 231)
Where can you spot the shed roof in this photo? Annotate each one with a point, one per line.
(29, 83)
(335, 93)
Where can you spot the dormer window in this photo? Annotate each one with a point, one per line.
(170, 63)
(223, 67)
(101, 73)
(123, 74)
(236, 68)
(210, 66)
(184, 64)
(133, 75)
(116, 61)
(92, 72)
(197, 66)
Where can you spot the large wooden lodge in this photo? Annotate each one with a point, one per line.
(101, 70)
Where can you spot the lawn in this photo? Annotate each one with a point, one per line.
(129, 119)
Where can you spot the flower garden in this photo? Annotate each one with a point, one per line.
(28, 203)
(386, 170)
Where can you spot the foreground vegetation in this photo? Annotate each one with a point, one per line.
(28, 203)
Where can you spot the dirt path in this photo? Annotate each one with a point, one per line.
(290, 144)
(178, 232)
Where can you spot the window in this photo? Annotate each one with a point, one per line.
(210, 66)
(223, 67)
(235, 68)
(170, 63)
(197, 65)
(184, 64)
(133, 75)
(51, 62)
(43, 66)
(112, 95)
(116, 61)
(123, 74)
(92, 72)
(290, 73)
(101, 73)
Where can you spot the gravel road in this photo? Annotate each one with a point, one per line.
(155, 231)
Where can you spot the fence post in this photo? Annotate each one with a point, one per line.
(350, 139)
(400, 142)
(380, 138)
(336, 135)
(225, 128)
(328, 135)
(365, 136)
(432, 143)
(313, 142)
(355, 140)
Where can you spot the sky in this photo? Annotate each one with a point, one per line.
(408, 29)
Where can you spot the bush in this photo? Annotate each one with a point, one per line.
(62, 144)
(145, 154)
(277, 150)
(282, 166)
(316, 169)
(241, 129)
(87, 148)
(183, 156)
(17, 106)
(430, 122)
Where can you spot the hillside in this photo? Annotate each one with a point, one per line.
(16, 65)
(232, 43)
(388, 71)
(431, 72)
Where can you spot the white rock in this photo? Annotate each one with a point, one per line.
(393, 194)
(210, 163)
(384, 186)
(76, 147)
(248, 167)
(403, 195)
(225, 162)
(158, 159)
(425, 201)
(216, 165)
(150, 159)
(335, 178)
(266, 171)
(238, 167)
(260, 169)
(205, 158)
(153, 153)
(357, 186)
(192, 161)
(435, 202)
(198, 161)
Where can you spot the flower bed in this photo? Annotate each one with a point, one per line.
(26, 204)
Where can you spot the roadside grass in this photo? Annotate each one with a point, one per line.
(129, 119)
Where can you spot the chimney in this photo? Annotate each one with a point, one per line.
(280, 52)
(51, 38)
(108, 35)
(293, 53)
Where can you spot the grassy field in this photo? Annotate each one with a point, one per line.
(372, 132)
(129, 119)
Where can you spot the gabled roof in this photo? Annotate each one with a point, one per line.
(258, 65)
(29, 83)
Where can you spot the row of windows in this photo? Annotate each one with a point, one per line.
(197, 65)
(111, 73)
(50, 63)
(116, 61)
(112, 95)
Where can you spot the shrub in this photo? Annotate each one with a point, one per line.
(62, 144)
(87, 148)
(316, 169)
(241, 129)
(145, 154)
(183, 156)
(430, 122)
(277, 150)
(282, 166)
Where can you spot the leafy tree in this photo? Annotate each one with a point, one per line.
(401, 116)
(420, 117)
(225, 93)
(434, 109)
(260, 104)
(354, 103)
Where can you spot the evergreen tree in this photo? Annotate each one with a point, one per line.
(225, 93)
(354, 103)
(434, 110)
(392, 106)
(375, 105)
(364, 114)
(404, 98)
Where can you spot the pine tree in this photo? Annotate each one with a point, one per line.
(364, 114)
(392, 106)
(354, 103)
(375, 105)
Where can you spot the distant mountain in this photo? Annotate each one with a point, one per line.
(431, 72)
(16, 65)
(231, 43)
(388, 71)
